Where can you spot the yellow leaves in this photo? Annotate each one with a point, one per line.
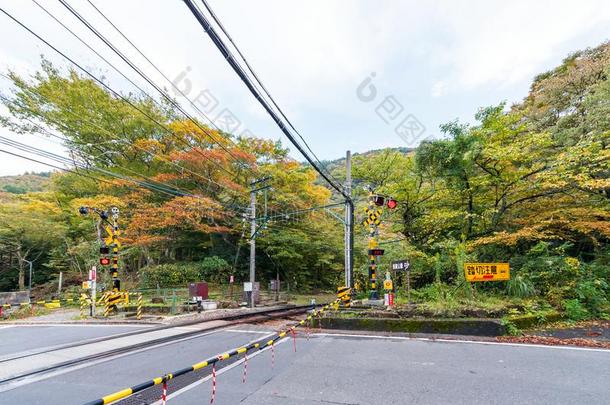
(148, 145)
(42, 207)
(190, 132)
(101, 201)
(512, 238)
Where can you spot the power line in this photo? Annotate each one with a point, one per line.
(305, 210)
(148, 179)
(153, 186)
(182, 168)
(107, 87)
(89, 176)
(239, 71)
(222, 28)
(156, 68)
(151, 82)
(60, 159)
(53, 166)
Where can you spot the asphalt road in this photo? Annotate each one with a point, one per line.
(345, 370)
(102, 377)
(349, 370)
(21, 338)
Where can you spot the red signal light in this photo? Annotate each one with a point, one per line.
(104, 261)
(392, 203)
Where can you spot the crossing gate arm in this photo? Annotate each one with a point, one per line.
(124, 393)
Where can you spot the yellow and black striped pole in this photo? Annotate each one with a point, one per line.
(116, 283)
(106, 305)
(372, 245)
(344, 295)
(83, 305)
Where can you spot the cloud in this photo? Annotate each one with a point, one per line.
(504, 43)
(439, 89)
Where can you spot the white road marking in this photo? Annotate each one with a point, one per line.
(262, 332)
(29, 380)
(80, 325)
(590, 349)
(221, 371)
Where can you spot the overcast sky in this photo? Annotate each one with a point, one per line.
(347, 73)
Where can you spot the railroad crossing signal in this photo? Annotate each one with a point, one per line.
(378, 200)
(112, 238)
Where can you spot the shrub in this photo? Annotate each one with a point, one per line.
(592, 294)
(520, 286)
(215, 269)
(169, 275)
(575, 310)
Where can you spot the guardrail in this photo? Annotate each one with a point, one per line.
(124, 393)
(47, 303)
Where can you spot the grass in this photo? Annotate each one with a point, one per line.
(26, 312)
(304, 299)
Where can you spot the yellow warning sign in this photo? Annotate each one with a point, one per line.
(112, 239)
(373, 216)
(387, 285)
(486, 271)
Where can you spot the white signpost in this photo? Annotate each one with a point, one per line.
(93, 287)
(404, 265)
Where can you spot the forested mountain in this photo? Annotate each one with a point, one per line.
(25, 183)
(528, 184)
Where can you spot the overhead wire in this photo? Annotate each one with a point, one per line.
(154, 66)
(150, 82)
(61, 159)
(262, 86)
(87, 72)
(134, 145)
(108, 88)
(147, 179)
(84, 21)
(81, 174)
(218, 42)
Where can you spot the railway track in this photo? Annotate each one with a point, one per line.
(33, 357)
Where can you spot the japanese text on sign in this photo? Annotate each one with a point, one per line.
(401, 265)
(486, 271)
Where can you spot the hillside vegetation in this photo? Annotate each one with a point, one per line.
(528, 184)
(25, 183)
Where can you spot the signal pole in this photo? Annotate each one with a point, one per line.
(372, 258)
(116, 283)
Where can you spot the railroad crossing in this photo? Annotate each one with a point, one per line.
(412, 370)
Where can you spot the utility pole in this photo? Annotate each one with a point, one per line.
(252, 241)
(253, 232)
(30, 281)
(349, 222)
